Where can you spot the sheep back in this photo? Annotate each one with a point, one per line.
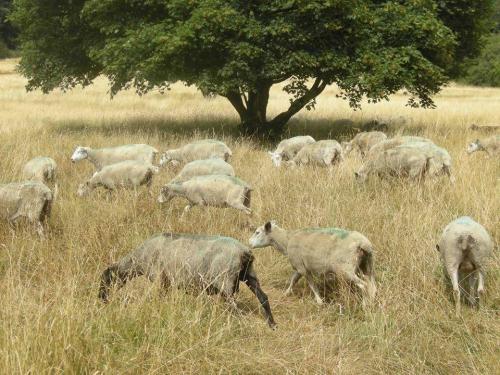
(203, 168)
(30, 199)
(42, 169)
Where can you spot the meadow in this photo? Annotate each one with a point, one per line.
(52, 322)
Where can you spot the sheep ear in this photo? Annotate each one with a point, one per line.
(437, 247)
(267, 227)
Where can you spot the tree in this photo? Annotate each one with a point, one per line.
(239, 49)
(7, 31)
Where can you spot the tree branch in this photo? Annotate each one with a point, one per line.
(237, 102)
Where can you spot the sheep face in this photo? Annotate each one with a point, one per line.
(83, 189)
(346, 147)
(360, 176)
(276, 157)
(165, 195)
(80, 153)
(166, 159)
(261, 236)
(473, 146)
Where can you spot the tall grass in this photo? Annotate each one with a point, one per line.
(52, 322)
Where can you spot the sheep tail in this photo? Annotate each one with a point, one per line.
(466, 242)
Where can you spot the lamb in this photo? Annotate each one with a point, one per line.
(203, 149)
(323, 153)
(31, 200)
(214, 264)
(321, 252)
(288, 148)
(363, 142)
(399, 161)
(106, 156)
(464, 247)
(211, 190)
(126, 174)
(491, 145)
(204, 167)
(41, 169)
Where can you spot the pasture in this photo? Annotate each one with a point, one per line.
(52, 322)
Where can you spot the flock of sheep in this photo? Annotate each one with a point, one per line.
(217, 264)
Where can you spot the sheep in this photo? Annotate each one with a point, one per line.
(323, 153)
(41, 169)
(214, 264)
(464, 247)
(204, 167)
(30, 199)
(321, 252)
(491, 145)
(288, 148)
(399, 161)
(106, 156)
(363, 142)
(127, 174)
(203, 149)
(394, 142)
(440, 159)
(485, 128)
(211, 190)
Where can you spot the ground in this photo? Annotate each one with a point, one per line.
(52, 322)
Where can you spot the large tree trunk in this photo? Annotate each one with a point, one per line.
(252, 109)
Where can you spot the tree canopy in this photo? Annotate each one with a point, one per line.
(239, 49)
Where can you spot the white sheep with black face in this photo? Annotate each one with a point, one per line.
(198, 150)
(102, 157)
(320, 252)
(490, 145)
(214, 264)
(464, 247)
(288, 148)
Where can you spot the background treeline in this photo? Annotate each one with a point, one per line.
(484, 70)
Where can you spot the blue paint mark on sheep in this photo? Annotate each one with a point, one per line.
(466, 220)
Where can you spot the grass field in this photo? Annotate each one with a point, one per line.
(52, 322)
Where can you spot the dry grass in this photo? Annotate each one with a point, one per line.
(52, 322)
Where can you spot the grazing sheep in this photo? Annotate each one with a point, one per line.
(491, 145)
(440, 159)
(321, 252)
(211, 190)
(398, 161)
(464, 247)
(111, 155)
(125, 174)
(41, 169)
(288, 148)
(204, 167)
(31, 200)
(213, 263)
(323, 153)
(363, 142)
(203, 149)
(394, 142)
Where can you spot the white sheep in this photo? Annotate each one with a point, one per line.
(204, 167)
(106, 156)
(465, 246)
(363, 142)
(31, 200)
(42, 169)
(211, 190)
(491, 145)
(322, 252)
(288, 148)
(394, 142)
(125, 174)
(398, 161)
(322, 153)
(214, 264)
(203, 149)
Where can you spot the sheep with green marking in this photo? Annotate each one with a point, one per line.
(321, 252)
(198, 150)
(203, 168)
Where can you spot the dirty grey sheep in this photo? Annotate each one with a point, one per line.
(465, 246)
(212, 263)
(491, 145)
(198, 150)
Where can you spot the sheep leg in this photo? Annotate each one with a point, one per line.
(456, 289)
(472, 297)
(480, 284)
(360, 284)
(315, 291)
(254, 286)
(295, 277)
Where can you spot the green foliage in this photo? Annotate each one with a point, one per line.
(239, 49)
(485, 70)
(7, 31)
